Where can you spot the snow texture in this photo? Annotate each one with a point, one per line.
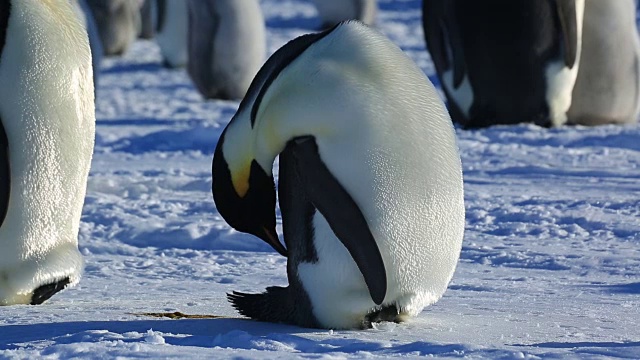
(550, 265)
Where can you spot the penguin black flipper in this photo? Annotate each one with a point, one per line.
(569, 28)
(5, 170)
(343, 215)
(5, 174)
(443, 38)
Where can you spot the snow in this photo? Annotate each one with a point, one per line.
(550, 265)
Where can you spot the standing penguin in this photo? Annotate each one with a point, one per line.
(370, 181)
(47, 119)
(118, 23)
(334, 11)
(504, 61)
(227, 46)
(171, 35)
(607, 90)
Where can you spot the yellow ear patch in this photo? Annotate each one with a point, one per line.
(240, 180)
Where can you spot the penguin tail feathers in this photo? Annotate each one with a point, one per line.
(277, 304)
(254, 306)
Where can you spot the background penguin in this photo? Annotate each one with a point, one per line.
(332, 12)
(503, 61)
(371, 236)
(86, 17)
(148, 14)
(118, 23)
(227, 46)
(172, 31)
(607, 89)
(46, 143)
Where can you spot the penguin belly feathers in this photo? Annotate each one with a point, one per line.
(370, 182)
(46, 145)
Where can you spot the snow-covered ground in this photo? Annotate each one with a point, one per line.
(550, 265)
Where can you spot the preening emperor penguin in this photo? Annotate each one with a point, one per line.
(607, 90)
(47, 130)
(118, 23)
(227, 46)
(171, 35)
(370, 181)
(332, 12)
(504, 61)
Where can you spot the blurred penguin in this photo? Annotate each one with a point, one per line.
(505, 61)
(334, 11)
(118, 23)
(607, 89)
(172, 31)
(86, 17)
(227, 46)
(148, 14)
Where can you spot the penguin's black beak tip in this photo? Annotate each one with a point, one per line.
(270, 236)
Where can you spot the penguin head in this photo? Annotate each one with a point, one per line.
(243, 186)
(244, 190)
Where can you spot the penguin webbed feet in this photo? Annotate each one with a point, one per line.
(384, 314)
(45, 292)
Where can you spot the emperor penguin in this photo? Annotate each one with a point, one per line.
(118, 23)
(86, 17)
(227, 46)
(504, 61)
(172, 31)
(607, 90)
(47, 131)
(332, 12)
(148, 14)
(370, 182)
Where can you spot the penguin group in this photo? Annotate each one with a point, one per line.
(548, 62)
(371, 236)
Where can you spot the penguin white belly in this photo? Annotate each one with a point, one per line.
(50, 134)
(172, 38)
(561, 79)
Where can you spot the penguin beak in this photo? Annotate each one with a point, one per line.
(271, 237)
(245, 197)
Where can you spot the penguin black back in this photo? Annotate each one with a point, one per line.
(504, 48)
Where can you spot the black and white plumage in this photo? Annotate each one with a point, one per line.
(370, 181)
(503, 61)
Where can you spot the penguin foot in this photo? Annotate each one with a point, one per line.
(44, 292)
(387, 313)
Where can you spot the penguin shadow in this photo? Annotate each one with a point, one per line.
(232, 333)
(121, 68)
(400, 6)
(618, 289)
(279, 22)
